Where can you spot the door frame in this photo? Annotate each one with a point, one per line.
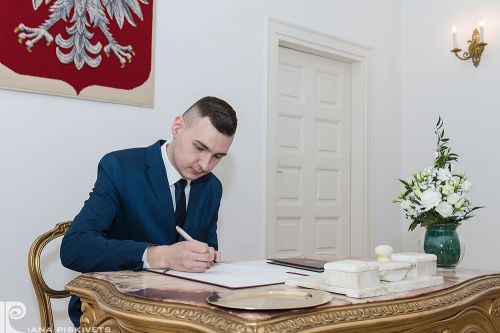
(359, 57)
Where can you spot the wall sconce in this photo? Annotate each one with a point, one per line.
(476, 45)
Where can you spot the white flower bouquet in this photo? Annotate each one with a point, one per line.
(436, 195)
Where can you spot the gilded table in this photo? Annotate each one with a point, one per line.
(126, 301)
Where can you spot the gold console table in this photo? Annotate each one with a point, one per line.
(469, 301)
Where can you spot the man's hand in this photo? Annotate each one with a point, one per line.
(183, 256)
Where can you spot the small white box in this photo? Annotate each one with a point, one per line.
(352, 274)
(424, 264)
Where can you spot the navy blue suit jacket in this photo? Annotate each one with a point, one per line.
(129, 209)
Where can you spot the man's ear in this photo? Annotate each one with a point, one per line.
(177, 125)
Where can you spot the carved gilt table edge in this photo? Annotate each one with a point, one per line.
(134, 309)
(128, 307)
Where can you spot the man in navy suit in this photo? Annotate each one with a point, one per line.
(141, 194)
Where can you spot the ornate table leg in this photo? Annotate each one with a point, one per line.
(94, 320)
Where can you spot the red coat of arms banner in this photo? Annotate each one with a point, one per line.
(102, 49)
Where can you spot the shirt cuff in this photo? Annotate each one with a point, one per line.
(145, 263)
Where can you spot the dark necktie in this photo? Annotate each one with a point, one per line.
(180, 202)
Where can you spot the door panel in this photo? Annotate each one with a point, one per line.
(312, 202)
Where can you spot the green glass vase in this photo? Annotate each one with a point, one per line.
(444, 241)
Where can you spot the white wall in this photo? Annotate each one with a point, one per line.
(436, 83)
(51, 145)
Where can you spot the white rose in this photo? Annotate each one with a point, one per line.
(444, 209)
(443, 174)
(466, 186)
(430, 199)
(453, 198)
(447, 189)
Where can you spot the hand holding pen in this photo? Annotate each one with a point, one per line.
(188, 256)
(216, 254)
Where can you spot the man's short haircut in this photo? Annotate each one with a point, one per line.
(221, 114)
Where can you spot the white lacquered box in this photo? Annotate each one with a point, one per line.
(352, 274)
(423, 264)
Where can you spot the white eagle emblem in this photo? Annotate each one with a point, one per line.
(87, 14)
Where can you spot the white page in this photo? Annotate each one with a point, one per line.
(243, 274)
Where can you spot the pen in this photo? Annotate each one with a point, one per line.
(184, 234)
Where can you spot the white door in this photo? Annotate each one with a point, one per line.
(312, 183)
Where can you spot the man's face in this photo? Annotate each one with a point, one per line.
(196, 149)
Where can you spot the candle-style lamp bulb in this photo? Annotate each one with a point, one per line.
(454, 35)
(481, 30)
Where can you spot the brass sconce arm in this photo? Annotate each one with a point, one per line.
(476, 48)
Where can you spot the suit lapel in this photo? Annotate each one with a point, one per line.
(155, 168)
(196, 202)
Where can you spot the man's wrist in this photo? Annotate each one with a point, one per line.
(157, 257)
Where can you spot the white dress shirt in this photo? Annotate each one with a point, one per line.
(173, 177)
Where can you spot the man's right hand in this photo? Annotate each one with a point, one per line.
(183, 256)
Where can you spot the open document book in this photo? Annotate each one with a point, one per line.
(243, 274)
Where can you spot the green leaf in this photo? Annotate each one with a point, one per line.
(405, 183)
(412, 226)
